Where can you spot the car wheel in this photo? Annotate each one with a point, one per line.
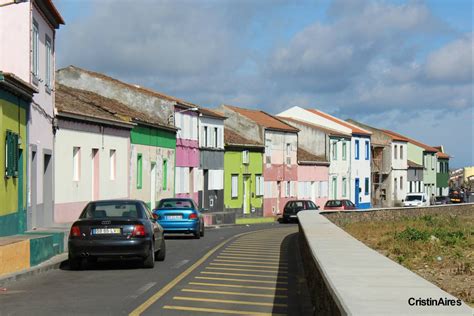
(149, 261)
(75, 263)
(161, 254)
(197, 235)
(202, 231)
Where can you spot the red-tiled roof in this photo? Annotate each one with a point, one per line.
(49, 10)
(86, 103)
(264, 119)
(414, 142)
(442, 155)
(414, 165)
(328, 131)
(355, 129)
(394, 136)
(305, 156)
(233, 138)
(211, 113)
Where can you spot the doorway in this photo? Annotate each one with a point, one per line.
(95, 174)
(47, 190)
(152, 185)
(357, 191)
(32, 220)
(246, 200)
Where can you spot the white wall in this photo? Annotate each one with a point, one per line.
(339, 168)
(187, 124)
(360, 168)
(211, 124)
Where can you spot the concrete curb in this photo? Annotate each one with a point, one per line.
(48, 265)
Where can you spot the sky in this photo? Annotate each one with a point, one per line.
(406, 66)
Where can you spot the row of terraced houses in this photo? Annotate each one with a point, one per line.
(74, 135)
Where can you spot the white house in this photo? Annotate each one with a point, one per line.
(357, 185)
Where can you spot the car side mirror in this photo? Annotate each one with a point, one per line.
(424, 200)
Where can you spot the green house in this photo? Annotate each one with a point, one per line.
(15, 99)
(442, 172)
(243, 175)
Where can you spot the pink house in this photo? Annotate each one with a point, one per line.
(313, 177)
(188, 174)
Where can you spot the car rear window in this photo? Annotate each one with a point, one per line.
(334, 203)
(311, 205)
(176, 204)
(111, 210)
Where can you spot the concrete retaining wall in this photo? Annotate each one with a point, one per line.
(346, 277)
(385, 214)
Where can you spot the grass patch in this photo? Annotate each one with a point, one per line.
(439, 248)
(254, 220)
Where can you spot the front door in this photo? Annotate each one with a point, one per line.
(246, 195)
(47, 190)
(357, 192)
(32, 214)
(152, 185)
(95, 173)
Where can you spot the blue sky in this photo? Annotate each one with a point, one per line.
(400, 65)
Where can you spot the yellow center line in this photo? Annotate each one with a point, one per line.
(247, 275)
(250, 258)
(272, 288)
(252, 261)
(235, 293)
(218, 311)
(214, 300)
(248, 265)
(140, 309)
(248, 270)
(240, 280)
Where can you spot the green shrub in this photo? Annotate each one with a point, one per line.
(412, 234)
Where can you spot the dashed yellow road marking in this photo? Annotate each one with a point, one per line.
(240, 280)
(215, 300)
(250, 258)
(235, 293)
(251, 261)
(271, 288)
(218, 311)
(248, 265)
(246, 275)
(248, 270)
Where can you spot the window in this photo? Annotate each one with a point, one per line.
(334, 150)
(433, 162)
(334, 187)
(216, 137)
(139, 171)
(401, 152)
(287, 188)
(165, 174)
(11, 154)
(344, 150)
(113, 164)
(48, 63)
(401, 183)
(268, 151)
(288, 154)
(395, 150)
(366, 186)
(35, 52)
(344, 187)
(367, 150)
(216, 179)
(357, 149)
(446, 167)
(439, 167)
(204, 138)
(235, 186)
(258, 185)
(245, 157)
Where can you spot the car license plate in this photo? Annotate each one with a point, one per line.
(293, 216)
(101, 231)
(174, 216)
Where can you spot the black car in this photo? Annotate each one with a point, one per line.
(116, 228)
(440, 200)
(293, 207)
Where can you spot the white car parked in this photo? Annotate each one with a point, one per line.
(416, 199)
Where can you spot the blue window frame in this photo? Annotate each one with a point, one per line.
(356, 147)
(366, 186)
(367, 150)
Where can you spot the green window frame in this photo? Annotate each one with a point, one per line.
(334, 150)
(11, 154)
(344, 150)
(139, 171)
(344, 187)
(165, 174)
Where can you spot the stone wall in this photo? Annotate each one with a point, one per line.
(395, 213)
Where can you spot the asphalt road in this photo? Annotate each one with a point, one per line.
(244, 270)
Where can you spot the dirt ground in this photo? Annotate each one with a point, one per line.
(440, 248)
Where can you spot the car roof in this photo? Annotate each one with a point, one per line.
(117, 201)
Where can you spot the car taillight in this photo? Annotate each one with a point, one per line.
(193, 216)
(75, 231)
(138, 231)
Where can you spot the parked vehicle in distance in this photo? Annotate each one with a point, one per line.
(416, 199)
(180, 215)
(339, 205)
(440, 200)
(457, 196)
(293, 207)
(116, 228)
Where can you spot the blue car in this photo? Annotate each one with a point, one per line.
(180, 215)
